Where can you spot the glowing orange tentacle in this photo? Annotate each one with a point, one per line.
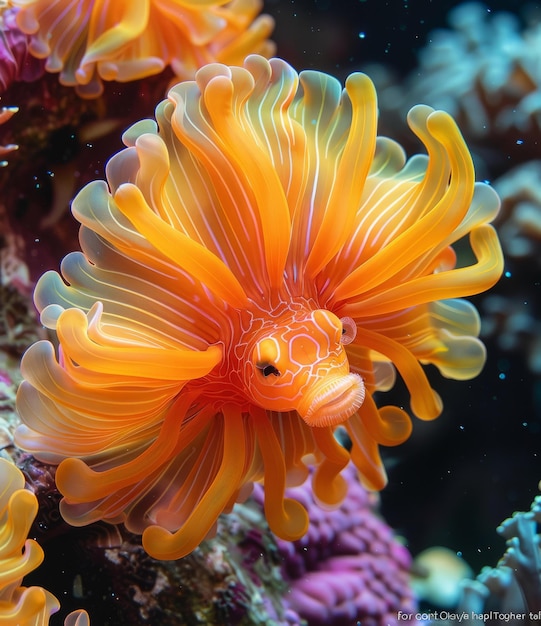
(80, 483)
(162, 544)
(443, 218)
(388, 426)
(188, 254)
(425, 402)
(270, 199)
(365, 452)
(106, 40)
(131, 360)
(355, 162)
(287, 518)
(464, 281)
(329, 485)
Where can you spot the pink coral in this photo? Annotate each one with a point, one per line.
(16, 62)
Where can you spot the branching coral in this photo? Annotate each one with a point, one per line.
(510, 592)
(256, 265)
(88, 41)
(24, 606)
(486, 62)
(484, 71)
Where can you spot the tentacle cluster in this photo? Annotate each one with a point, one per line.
(89, 41)
(257, 233)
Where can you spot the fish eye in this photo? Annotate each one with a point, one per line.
(349, 330)
(267, 369)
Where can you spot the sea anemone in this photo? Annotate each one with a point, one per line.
(252, 271)
(88, 41)
(19, 556)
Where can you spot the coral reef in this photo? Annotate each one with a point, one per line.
(349, 567)
(509, 593)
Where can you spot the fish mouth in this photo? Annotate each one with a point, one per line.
(333, 401)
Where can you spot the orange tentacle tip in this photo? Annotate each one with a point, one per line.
(219, 324)
(19, 556)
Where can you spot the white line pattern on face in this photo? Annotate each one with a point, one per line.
(288, 358)
(296, 359)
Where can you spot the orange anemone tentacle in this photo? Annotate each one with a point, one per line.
(329, 485)
(443, 285)
(425, 402)
(286, 517)
(269, 197)
(80, 483)
(72, 331)
(187, 254)
(442, 218)
(160, 543)
(388, 426)
(349, 179)
(365, 452)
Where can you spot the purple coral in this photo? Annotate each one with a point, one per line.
(348, 567)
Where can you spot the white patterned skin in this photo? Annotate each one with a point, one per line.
(291, 358)
(299, 362)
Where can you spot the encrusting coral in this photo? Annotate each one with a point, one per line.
(89, 41)
(22, 606)
(221, 321)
